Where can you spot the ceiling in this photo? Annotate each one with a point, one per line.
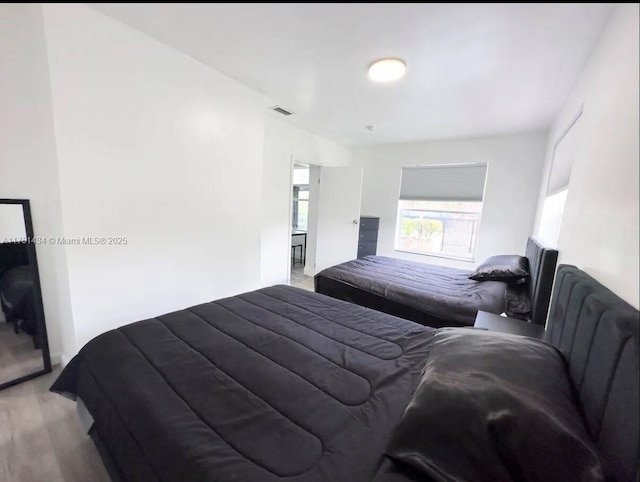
(472, 69)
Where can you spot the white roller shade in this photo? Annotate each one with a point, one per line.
(459, 182)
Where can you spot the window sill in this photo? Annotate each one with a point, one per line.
(438, 255)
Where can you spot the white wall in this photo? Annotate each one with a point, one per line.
(513, 180)
(158, 148)
(599, 231)
(28, 164)
(283, 145)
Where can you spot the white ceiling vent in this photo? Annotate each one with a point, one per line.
(282, 111)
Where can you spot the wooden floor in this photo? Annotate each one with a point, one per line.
(301, 280)
(41, 439)
(17, 355)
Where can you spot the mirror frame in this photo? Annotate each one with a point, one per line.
(37, 294)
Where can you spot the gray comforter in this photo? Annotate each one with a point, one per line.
(273, 385)
(428, 294)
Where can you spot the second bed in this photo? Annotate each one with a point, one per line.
(436, 295)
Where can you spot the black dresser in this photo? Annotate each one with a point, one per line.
(368, 236)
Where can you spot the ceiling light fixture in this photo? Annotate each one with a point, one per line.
(387, 70)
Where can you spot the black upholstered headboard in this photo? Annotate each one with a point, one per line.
(597, 332)
(542, 267)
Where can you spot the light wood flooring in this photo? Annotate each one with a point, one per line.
(299, 279)
(17, 355)
(41, 439)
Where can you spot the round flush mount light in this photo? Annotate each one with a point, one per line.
(387, 70)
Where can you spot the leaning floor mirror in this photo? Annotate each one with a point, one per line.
(24, 350)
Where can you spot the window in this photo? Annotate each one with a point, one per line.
(300, 207)
(551, 220)
(558, 184)
(300, 217)
(439, 209)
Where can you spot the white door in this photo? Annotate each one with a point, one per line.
(338, 214)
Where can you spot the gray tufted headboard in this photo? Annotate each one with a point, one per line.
(542, 267)
(597, 332)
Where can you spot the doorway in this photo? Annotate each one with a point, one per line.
(323, 219)
(300, 224)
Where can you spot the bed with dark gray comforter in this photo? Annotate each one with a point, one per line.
(426, 293)
(270, 385)
(436, 295)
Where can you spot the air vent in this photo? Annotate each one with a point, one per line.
(282, 111)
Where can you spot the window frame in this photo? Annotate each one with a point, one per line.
(446, 255)
(295, 200)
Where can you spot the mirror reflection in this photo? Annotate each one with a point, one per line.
(23, 347)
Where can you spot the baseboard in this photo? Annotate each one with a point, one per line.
(63, 360)
(56, 358)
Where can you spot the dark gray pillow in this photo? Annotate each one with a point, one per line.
(494, 407)
(504, 267)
